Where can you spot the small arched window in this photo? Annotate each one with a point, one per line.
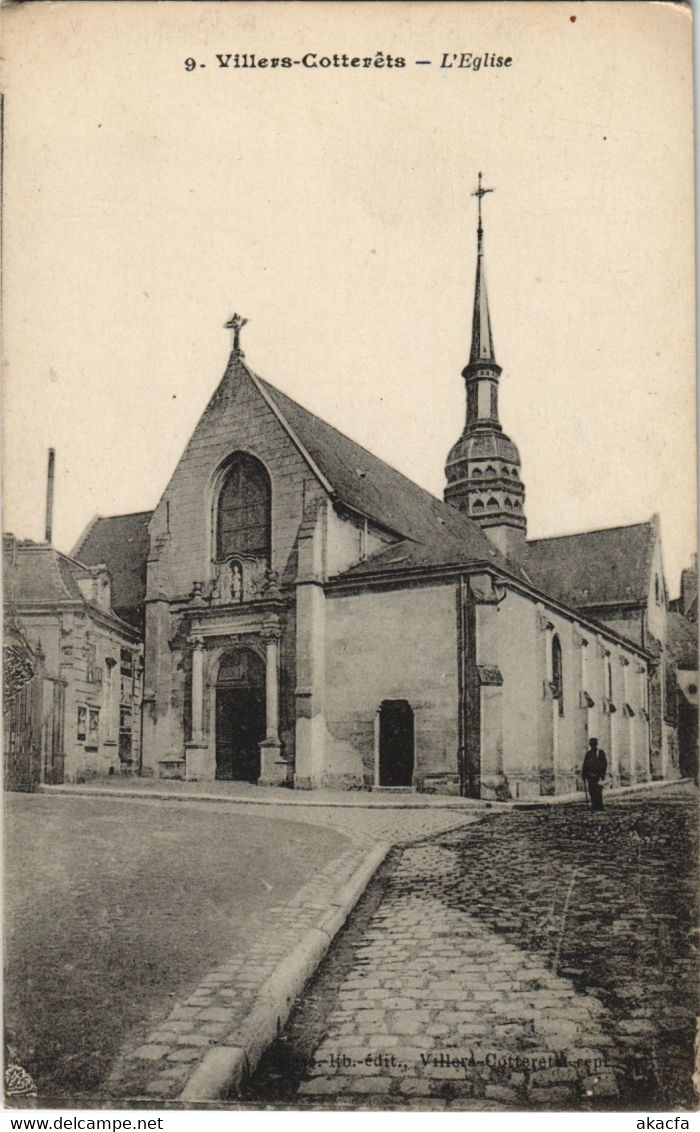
(557, 673)
(476, 473)
(490, 471)
(492, 504)
(479, 505)
(507, 502)
(243, 510)
(514, 473)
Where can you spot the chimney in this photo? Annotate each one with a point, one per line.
(49, 496)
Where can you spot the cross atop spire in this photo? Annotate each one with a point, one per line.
(481, 192)
(236, 324)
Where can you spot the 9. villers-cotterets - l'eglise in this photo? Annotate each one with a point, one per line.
(295, 611)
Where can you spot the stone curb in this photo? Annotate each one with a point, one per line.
(429, 801)
(460, 805)
(225, 1067)
(612, 792)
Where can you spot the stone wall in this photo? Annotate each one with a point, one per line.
(76, 647)
(392, 644)
(543, 748)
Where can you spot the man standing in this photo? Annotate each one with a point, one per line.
(593, 771)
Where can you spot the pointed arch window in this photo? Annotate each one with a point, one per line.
(479, 505)
(492, 504)
(243, 510)
(557, 673)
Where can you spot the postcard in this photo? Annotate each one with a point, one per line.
(350, 588)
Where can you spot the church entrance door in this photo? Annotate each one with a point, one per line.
(240, 715)
(396, 743)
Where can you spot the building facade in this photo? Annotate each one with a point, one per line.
(312, 618)
(77, 715)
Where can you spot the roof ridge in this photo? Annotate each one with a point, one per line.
(124, 515)
(72, 560)
(258, 381)
(593, 531)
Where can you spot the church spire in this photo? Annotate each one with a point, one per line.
(483, 467)
(482, 340)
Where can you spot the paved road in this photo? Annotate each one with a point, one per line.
(114, 909)
(140, 931)
(214, 1010)
(541, 959)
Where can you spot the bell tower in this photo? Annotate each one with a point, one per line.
(483, 467)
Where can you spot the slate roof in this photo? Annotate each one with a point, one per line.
(42, 574)
(594, 568)
(434, 532)
(683, 641)
(121, 542)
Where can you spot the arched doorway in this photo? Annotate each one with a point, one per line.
(240, 715)
(396, 743)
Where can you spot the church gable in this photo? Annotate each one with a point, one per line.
(238, 419)
(305, 460)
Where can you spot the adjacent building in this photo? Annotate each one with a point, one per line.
(77, 712)
(683, 646)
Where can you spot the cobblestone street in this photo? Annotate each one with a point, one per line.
(159, 1063)
(197, 890)
(539, 959)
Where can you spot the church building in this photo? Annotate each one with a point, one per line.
(313, 618)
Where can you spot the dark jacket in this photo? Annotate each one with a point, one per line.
(595, 765)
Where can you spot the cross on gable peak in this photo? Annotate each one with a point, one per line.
(236, 324)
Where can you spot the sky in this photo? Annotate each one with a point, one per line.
(332, 207)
